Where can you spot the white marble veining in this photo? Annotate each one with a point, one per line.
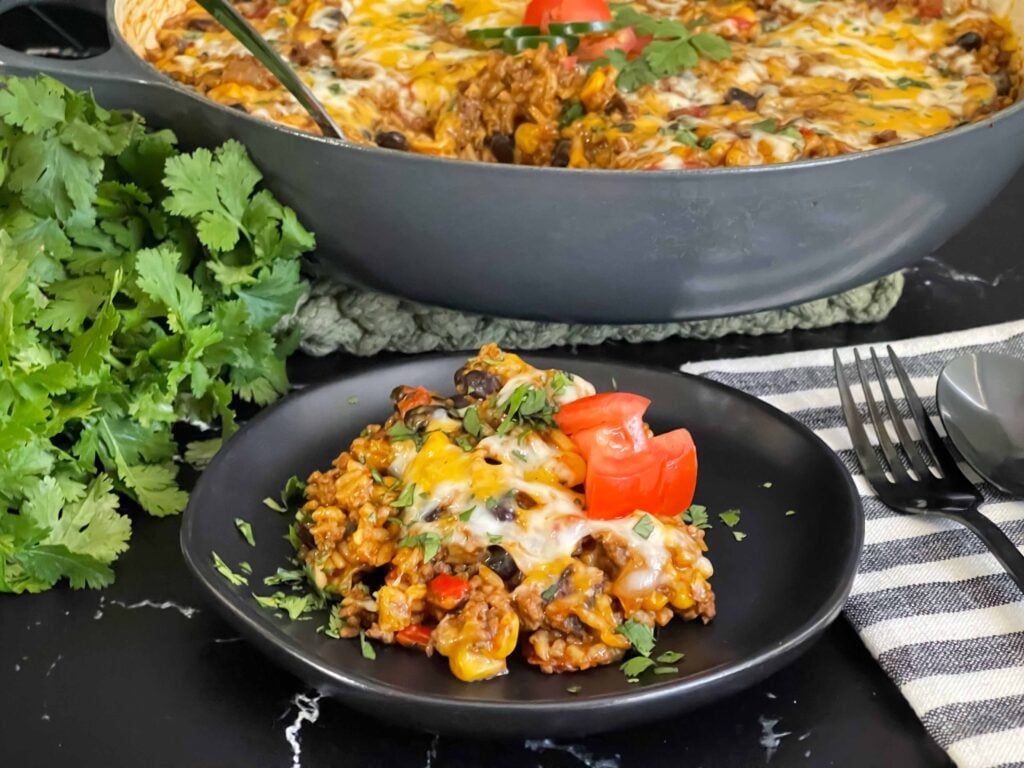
(307, 711)
(582, 754)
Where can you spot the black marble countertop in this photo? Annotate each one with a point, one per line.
(145, 674)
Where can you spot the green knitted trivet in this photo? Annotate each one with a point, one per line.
(335, 317)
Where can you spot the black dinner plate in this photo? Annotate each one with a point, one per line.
(777, 589)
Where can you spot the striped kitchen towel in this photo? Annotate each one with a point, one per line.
(929, 601)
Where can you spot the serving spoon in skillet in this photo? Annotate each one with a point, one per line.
(243, 32)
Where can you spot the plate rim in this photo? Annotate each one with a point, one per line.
(294, 658)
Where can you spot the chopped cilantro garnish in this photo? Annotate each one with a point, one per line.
(398, 431)
(245, 568)
(549, 594)
(520, 455)
(366, 648)
(739, 535)
(731, 517)
(668, 657)
(293, 605)
(697, 516)
(464, 516)
(494, 538)
(666, 670)
(771, 125)
(375, 475)
(334, 623)
(790, 512)
(706, 143)
(766, 485)
(571, 112)
(573, 689)
(527, 405)
(246, 530)
(686, 136)
(559, 381)
(222, 568)
(275, 505)
(428, 541)
(644, 527)
(635, 666)
(464, 442)
(674, 48)
(406, 498)
(491, 503)
(471, 421)
(640, 636)
(283, 576)
(293, 490)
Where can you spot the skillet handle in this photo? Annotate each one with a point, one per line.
(117, 65)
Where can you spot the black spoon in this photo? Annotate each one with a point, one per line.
(243, 32)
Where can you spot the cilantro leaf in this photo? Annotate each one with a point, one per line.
(366, 648)
(245, 529)
(635, 666)
(644, 527)
(697, 516)
(640, 636)
(731, 517)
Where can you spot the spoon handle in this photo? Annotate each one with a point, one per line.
(997, 542)
(242, 31)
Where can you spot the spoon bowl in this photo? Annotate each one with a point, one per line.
(981, 401)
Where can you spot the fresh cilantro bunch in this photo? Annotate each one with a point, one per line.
(139, 287)
(675, 48)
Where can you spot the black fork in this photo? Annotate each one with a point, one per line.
(945, 493)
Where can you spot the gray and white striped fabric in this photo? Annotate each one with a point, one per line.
(929, 601)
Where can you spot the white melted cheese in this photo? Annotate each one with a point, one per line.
(455, 481)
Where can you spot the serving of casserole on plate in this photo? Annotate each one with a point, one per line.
(522, 505)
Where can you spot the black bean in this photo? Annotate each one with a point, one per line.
(503, 147)
(461, 401)
(560, 155)
(470, 381)
(504, 510)
(419, 418)
(431, 515)
(305, 536)
(392, 140)
(626, 127)
(501, 562)
(748, 100)
(1001, 80)
(969, 41)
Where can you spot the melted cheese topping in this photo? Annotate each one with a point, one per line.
(540, 464)
(841, 75)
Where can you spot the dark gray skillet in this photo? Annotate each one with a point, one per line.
(777, 589)
(589, 246)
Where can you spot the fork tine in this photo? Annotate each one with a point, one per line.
(929, 435)
(869, 462)
(917, 460)
(899, 472)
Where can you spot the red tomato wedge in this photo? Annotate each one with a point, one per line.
(595, 46)
(679, 473)
(626, 469)
(540, 13)
(609, 409)
(412, 397)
